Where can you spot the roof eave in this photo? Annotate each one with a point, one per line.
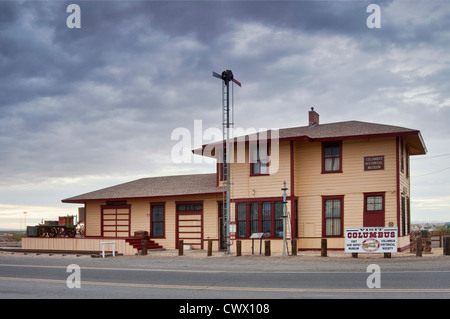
(84, 200)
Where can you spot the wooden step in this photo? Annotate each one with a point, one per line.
(137, 243)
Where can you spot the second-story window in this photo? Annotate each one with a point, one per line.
(259, 159)
(332, 157)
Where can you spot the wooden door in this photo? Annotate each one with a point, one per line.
(374, 210)
(189, 224)
(116, 221)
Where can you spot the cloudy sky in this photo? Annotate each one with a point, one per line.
(91, 107)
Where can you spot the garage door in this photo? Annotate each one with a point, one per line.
(116, 221)
(190, 224)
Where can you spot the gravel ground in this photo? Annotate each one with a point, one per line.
(197, 260)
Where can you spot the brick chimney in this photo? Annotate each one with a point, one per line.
(313, 117)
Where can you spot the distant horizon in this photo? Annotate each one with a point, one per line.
(15, 230)
(429, 222)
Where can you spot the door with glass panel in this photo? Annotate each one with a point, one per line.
(374, 210)
(333, 207)
(157, 221)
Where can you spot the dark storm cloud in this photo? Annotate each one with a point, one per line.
(115, 30)
(104, 99)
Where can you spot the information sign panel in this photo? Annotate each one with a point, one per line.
(256, 236)
(371, 240)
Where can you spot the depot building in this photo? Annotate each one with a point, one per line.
(338, 175)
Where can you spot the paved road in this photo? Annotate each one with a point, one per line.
(48, 277)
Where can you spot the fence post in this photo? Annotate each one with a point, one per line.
(419, 246)
(294, 247)
(323, 248)
(446, 245)
(144, 247)
(210, 247)
(238, 248)
(267, 248)
(180, 247)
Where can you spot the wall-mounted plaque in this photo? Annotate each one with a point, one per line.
(373, 163)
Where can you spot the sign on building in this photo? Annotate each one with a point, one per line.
(371, 240)
(374, 163)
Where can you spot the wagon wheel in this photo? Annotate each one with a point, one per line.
(42, 232)
(60, 232)
(71, 232)
(81, 228)
(52, 232)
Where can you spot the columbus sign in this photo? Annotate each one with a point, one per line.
(371, 240)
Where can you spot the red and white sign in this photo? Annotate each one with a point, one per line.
(371, 240)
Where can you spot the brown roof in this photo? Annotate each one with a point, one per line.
(199, 184)
(354, 130)
(345, 130)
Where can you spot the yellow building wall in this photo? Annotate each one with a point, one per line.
(140, 218)
(93, 215)
(246, 186)
(353, 182)
(404, 186)
(309, 187)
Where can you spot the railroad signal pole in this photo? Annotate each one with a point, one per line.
(226, 77)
